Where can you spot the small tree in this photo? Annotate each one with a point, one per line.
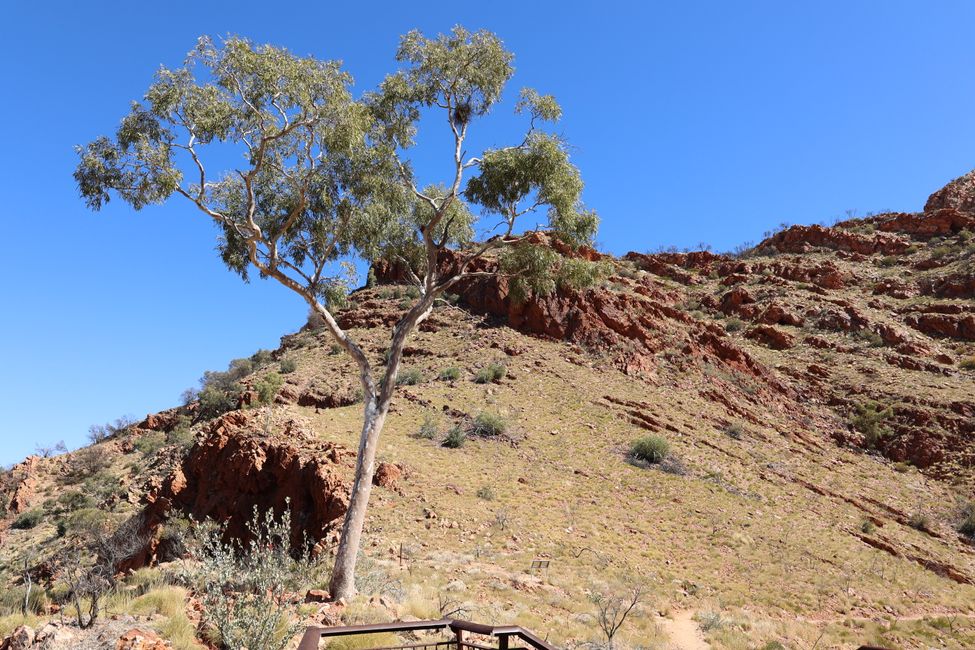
(326, 177)
(612, 610)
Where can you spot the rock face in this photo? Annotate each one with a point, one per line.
(26, 486)
(958, 195)
(235, 468)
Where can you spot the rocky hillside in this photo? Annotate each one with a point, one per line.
(816, 394)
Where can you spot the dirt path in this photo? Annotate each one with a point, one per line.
(684, 632)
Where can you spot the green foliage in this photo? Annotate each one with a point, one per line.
(455, 438)
(967, 524)
(149, 443)
(268, 387)
(651, 449)
(733, 325)
(100, 432)
(488, 424)
(735, 431)
(493, 372)
(450, 374)
(28, 520)
(868, 527)
(539, 270)
(430, 427)
(485, 492)
(409, 377)
(71, 500)
(287, 366)
(920, 521)
(870, 420)
(967, 363)
(261, 358)
(245, 587)
(214, 401)
(88, 462)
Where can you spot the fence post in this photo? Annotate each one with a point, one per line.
(460, 639)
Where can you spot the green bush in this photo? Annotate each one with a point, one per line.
(261, 358)
(494, 372)
(287, 365)
(28, 520)
(868, 527)
(456, 438)
(150, 443)
(888, 261)
(650, 449)
(967, 525)
(450, 374)
(486, 493)
(409, 377)
(430, 427)
(870, 420)
(334, 349)
(920, 521)
(268, 386)
(488, 424)
(968, 363)
(74, 500)
(735, 431)
(215, 401)
(733, 325)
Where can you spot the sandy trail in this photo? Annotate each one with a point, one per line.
(683, 631)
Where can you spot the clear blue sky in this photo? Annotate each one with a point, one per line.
(693, 121)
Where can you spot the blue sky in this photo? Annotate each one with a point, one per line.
(692, 122)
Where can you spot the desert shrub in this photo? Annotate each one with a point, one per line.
(181, 436)
(650, 449)
(493, 372)
(88, 461)
(455, 438)
(488, 424)
(920, 521)
(888, 261)
(671, 464)
(72, 500)
(28, 520)
(245, 587)
(485, 492)
(335, 349)
(12, 600)
(870, 420)
(287, 366)
(873, 339)
(99, 432)
(939, 252)
(968, 363)
(101, 486)
(150, 443)
(868, 527)
(967, 525)
(215, 401)
(735, 431)
(409, 377)
(268, 386)
(261, 358)
(709, 621)
(733, 325)
(450, 374)
(429, 427)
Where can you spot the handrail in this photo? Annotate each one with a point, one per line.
(314, 634)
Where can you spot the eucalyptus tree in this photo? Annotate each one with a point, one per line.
(324, 177)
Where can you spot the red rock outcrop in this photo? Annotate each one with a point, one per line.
(959, 195)
(233, 468)
(802, 239)
(955, 326)
(25, 489)
(771, 337)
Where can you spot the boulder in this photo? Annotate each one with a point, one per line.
(138, 639)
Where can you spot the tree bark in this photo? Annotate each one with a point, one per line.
(343, 573)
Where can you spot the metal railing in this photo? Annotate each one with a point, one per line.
(509, 637)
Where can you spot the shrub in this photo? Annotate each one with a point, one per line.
(450, 374)
(268, 387)
(488, 424)
(888, 261)
(493, 372)
(89, 461)
(870, 420)
(456, 438)
(733, 325)
(335, 349)
(261, 358)
(409, 377)
(967, 525)
(75, 500)
(99, 432)
(430, 427)
(710, 621)
(868, 527)
(245, 588)
(650, 449)
(968, 363)
(287, 366)
(215, 401)
(28, 520)
(486, 493)
(920, 521)
(735, 431)
(150, 443)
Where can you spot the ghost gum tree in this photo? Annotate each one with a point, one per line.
(324, 177)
